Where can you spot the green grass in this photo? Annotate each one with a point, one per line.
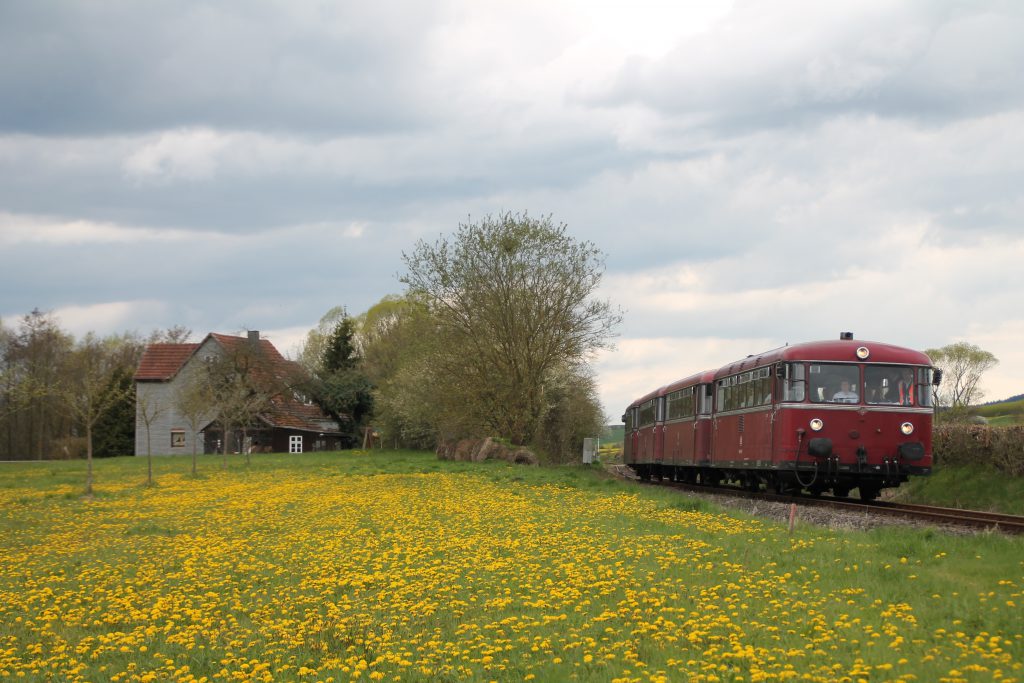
(1006, 420)
(397, 566)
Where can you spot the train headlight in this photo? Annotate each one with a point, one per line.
(863, 353)
(817, 425)
(907, 428)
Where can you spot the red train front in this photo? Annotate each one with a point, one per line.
(821, 416)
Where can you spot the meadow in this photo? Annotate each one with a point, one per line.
(397, 567)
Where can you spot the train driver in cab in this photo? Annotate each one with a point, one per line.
(845, 395)
(906, 387)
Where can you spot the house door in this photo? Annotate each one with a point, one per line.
(295, 444)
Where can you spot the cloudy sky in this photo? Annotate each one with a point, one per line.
(757, 172)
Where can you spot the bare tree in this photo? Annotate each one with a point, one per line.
(176, 334)
(240, 385)
(86, 387)
(149, 410)
(193, 401)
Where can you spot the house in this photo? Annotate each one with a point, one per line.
(285, 421)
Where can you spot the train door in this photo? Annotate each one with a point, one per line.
(629, 435)
(760, 423)
(702, 424)
(728, 424)
(659, 430)
(790, 388)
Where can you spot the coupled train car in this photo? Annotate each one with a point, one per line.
(827, 416)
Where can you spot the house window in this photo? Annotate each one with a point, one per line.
(295, 444)
(177, 438)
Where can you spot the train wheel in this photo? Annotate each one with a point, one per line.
(869, 493)
(752, 483)
(840, 491)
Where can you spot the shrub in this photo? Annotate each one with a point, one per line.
(973, 445)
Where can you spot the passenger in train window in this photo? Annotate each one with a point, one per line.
(845, 395)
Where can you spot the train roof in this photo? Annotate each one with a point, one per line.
(700, 377)
(832, 350)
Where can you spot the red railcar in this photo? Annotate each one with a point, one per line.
(820, 416)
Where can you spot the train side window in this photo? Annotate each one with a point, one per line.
(680, 404)
(646, 415)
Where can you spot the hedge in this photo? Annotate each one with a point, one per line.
(999, 448)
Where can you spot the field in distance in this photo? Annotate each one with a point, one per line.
(396, 566)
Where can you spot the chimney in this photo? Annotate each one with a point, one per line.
(254, 337)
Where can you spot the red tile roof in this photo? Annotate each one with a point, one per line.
(162, 361)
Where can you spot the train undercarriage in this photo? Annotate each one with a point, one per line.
(806, 479)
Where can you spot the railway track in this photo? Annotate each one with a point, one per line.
(950, 517)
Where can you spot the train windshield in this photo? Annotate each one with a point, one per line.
(834, 383)
(898, 385)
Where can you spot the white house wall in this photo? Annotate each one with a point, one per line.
(161, 395)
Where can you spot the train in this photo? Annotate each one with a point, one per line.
(816, 417)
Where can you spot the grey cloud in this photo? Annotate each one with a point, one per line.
(72, 68)
(763, 68)
(300, 273)
(236, 197)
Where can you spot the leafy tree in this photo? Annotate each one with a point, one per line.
(962, 365)
(115, 428)
(396, 336)
(337, 383)
(311, 354)
(574, 413)
(513, 299)
(33, 360)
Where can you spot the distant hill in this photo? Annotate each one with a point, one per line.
(1010, 411)
(1012, 399)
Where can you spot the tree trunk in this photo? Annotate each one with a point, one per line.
(224, 447)
(244, 445)
(88, 457)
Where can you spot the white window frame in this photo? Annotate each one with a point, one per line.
(295, 443)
